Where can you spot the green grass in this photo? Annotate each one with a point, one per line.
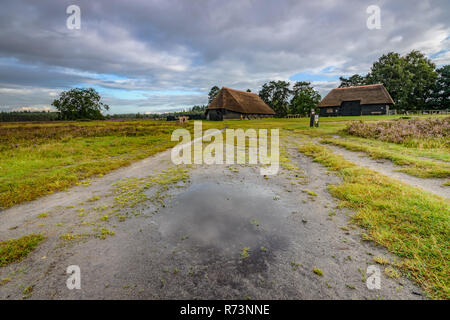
(442, 153)
(104, 233)
(411, 164)
(310, 193)
(130, 192)
(381, 260)
(409, 222)
(15, 250)
(245, 253)
(41, 159)
(318, 271)
(391, 273)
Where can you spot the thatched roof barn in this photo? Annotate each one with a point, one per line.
(356, 101)
(236, 104)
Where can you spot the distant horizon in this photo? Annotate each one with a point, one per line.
(34, 109)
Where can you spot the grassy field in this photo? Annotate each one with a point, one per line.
(39, 159)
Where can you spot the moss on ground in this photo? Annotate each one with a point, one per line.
(15, 250)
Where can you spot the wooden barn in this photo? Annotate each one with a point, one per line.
(236, 104)
(356, 101)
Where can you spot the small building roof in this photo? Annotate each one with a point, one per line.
(239, 101)
(368, 94)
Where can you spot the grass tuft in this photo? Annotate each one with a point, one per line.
(381, 260)
(245, 253)
(318, 271)
(15, 250)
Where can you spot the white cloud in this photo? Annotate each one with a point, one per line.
(33, 109)
(442, 59)
(396, 39)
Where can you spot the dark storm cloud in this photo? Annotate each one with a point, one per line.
(190, 45)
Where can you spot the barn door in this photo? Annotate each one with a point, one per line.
(351, 108)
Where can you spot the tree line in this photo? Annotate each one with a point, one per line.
(412, 80)
(15, 116)
(197, 110)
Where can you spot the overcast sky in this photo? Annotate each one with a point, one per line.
(160, 55)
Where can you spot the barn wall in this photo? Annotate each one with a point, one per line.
(215, 115)
(368, 109)
(329, 111)
(229, 115)
(223, 114)
(350, 108)
(249, 116)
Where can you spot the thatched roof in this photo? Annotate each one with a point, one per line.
(240, 101)
(369, 94)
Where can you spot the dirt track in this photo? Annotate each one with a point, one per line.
(192, 244)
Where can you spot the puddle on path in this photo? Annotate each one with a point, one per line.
(226, 218)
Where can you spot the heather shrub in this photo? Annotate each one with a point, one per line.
(415, 132)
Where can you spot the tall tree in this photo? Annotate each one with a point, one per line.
(304, 99)
(423, 79)
(408, 79)
(390, 71)
(80, 103)
(213, 93)
(354, 80)
(199, 108)
(276, 95)
(440, 94)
